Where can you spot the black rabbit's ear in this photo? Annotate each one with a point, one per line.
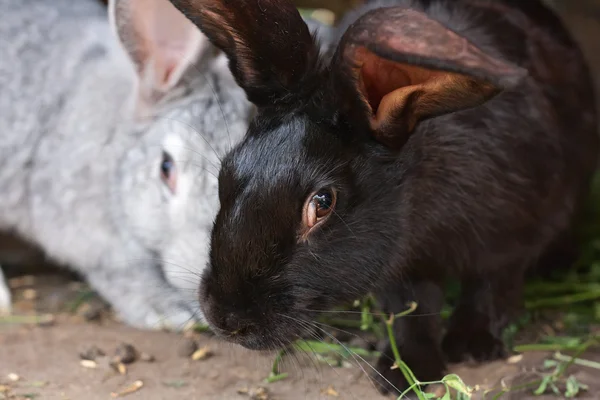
(408, 67)
(270, 49)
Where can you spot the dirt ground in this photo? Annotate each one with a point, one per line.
(46, 358)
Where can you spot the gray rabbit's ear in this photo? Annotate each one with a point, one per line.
(160, 41)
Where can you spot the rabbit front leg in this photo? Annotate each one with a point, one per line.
(488, 303)
(142, 297)
(417, 335)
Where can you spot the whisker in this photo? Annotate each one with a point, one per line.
(344, 222)
(369, 312)
(352, 353)
(191, 149)
(307, 324)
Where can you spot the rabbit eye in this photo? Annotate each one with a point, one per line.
(323, 202)
(168, 172)
(319, 206)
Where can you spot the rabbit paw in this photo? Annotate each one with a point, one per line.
(480, 345)
(169, 311)
(426, 365)
(155, 304)
(388, 378)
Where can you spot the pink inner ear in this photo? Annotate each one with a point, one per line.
(175, 41)
(387, 87)
(162, 40)
(173, 58)
(380, 77)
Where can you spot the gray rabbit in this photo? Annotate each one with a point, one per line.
(110, 136)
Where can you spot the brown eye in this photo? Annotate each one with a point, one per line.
(168, 171)
(323, 202)
(318, 206)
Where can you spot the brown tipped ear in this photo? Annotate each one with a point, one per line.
(270, 49)
(408, 67)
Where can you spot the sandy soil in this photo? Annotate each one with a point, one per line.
(47, 360)
(51, 355)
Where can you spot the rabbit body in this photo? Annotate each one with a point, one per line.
(86, 124)
(440, 139)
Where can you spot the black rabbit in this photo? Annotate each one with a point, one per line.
(441, 139)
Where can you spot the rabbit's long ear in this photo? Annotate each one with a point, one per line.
(161, 42)
(270, 49)
(407, 67)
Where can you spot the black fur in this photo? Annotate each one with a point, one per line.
(268, 73)
(480, 194)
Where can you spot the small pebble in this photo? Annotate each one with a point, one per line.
(121, 368)
(92, 353)
(134, 387)
(93, 313)
(330, 391)
(201, 353)
(88, 364)
(125, 353)
(145, 357)
(187, 347)
(47, 321)
(515, 359)
(259, 393)
(13, 377)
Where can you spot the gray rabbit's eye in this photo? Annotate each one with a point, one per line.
(168, 171)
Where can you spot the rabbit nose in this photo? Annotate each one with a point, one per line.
(234, 324)
(231, 321)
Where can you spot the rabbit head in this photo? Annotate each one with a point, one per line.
(186, 112)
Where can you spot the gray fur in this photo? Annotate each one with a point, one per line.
(80, 170)
(5, 298)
